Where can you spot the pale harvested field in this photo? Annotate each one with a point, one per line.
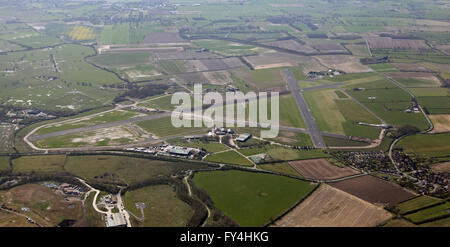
(274, 60)
(348, 64)
(441, 123)
(442, 167)
(389, 43)
(321, 169)
(330, 207)
(291, 45)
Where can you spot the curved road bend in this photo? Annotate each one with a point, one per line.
(310, 122)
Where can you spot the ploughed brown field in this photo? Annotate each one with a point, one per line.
(374, 190)
(331, 207)
(389, 43)
(321, 169)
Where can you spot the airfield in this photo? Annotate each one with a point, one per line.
(86, 109)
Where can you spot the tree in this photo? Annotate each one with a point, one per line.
(407, 130)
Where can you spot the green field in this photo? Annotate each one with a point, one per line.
(121, 168)
(125, 33)
(229, 157)
(430, 92)
(39, 164)
(438, 223)
(335, 115)
(251, 199)
(389, 104)
(436, 145)
(163, 207)
(413, 56)
(163, 127)
(417, 82)
(283, 168)
(112, 60)
(160, 103)
(4, 164)
(416, 203)
(227, 48)
(436, 104)
(289, 113)
(430, 213)
(383, 67)
(56, 79)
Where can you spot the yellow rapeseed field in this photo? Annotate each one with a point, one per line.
(81, 33)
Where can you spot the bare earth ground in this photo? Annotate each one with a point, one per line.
(442, 167)
(330, 207)
(348, 64)
(274, 60)
(321, 169)
(374, 190)
(389, 43)
(441, 123)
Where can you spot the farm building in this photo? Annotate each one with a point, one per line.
(243, 137)
(193, 137)
(179, 151)
(116, 220)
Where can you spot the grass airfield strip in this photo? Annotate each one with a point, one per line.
(113, 116)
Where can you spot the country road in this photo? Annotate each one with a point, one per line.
(310, 122)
